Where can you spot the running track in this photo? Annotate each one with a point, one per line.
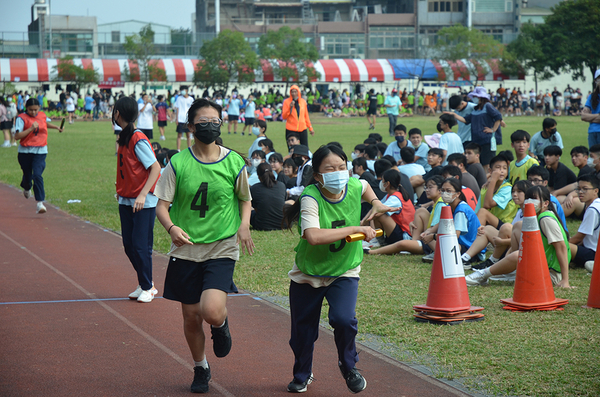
(67, 330)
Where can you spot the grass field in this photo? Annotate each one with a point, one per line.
(539, 353)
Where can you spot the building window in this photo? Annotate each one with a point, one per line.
(508, 7)
(391, 38)
(497, 34)
(115, 37)
(445, 6)
(339, 45)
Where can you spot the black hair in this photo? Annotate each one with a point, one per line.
(457, 187)
(437, 151)
(543, 194)
(382, 166)
(268, 143)
(457, 158)
(261, 124)
(548, 123)
(360, 162)
(520, 135)
(202, 103)
(482, 103)
(291, 163)
(393, 177)
(474, 147)
(400, 127)
(552, 150)
(539, 170)
(452, 171)
(437, 179)
(265, 175)
(407, 154)
(389, 158)
(370, 141)
(128, 111)
(376, 136)
(382, 147)
(595, 148)
(259, 153)
(505, 155)
(293, 135)
(171, 153)
(414, 131)
(335, 143)
(580, 149)
(361, 148)
(591, 178)
(371, 152)
(32, 102)
(276, 157)
(522, 185)
(455, 101)
(292, 213)
(448, 119)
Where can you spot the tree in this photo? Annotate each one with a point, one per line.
(228, 57)
(140, 50)
(459, 42)
(294, 53)
(181, 40)
(568, 35)
(66, 70)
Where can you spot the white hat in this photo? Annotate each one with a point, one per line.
(596, 74)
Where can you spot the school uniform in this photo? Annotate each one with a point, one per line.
(505, 209)
(590, 226)
(32, 152)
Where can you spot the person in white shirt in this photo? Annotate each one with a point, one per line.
(450, 142)
(144, 121)
(584, 243)
(182, 105)
(70, 108)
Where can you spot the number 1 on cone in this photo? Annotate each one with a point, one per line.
(452, 265)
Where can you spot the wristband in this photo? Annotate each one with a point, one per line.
(169, 231)
(374, 200)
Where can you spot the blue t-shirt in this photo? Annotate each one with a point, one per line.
(422, 151)
(452, 143)
(594, 127)
(393, 150)
(250, 107)
(89, 103)
(234, 107)
(538, 143)
(466, 221)
(395, 101)
(559, 211)
(393, 202)
(145, 155)
(464, 130)
(411, 170)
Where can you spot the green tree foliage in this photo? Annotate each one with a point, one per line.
(228, 57)
(290, 47)
(459, 42)
(140, 50)
(66, 70)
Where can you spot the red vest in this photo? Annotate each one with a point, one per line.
(37, 137)
(131, 174)
(405, 216)
(471, 199)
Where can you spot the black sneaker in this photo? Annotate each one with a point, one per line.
(296, 386)
(221, 339)
(354, 380)
(469, 264)
(201, 378)
(483, 265)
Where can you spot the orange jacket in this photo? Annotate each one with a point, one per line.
(295, 122)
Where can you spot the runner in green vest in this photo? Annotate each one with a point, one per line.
(208, 187)
(326, 266)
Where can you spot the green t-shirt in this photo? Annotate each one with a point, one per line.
(411, 99)
(205, 205)
(549, 248)
(334, 259)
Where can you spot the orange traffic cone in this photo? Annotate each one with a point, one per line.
(533, 287)
(594, 295)
(447, 299)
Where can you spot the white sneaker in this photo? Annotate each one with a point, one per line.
(146, 296)
(476, 278)
(136, 294)
(27, 193)
(505, 277)
(5, 144)
(374, 243)
(14, 144)
(162, 138)
(589, 266)
(41, 208)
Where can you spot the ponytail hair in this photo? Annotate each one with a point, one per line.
(265, 175)
(128, 111)
(393, 178)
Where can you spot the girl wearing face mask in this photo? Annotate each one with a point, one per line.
(465, 219)
(137, 173)
(326, 266)
(591, 112)
(424, 227)
(260, 131)
(499, 238)
(258, 157)
(555, 240)
(266, 145)
(207, 186)
(31, 129)
(395, 225)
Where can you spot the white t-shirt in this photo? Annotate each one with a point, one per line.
(144, 120)
(70, 105)
(590, 226)
(183, 104)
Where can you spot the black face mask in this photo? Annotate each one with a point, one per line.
(399, 139)
(299, 161)
(439, 127)
(207, 134)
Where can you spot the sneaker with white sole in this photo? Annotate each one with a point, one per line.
(428, 258)
(589, 266)
(374, 243)
(477, 278)
(26, 193)
(41, 208)
(354, 380)
(505, 277)
(162, 138)
(5, 144)
(136, 294)
(146, 296)
(296, 386)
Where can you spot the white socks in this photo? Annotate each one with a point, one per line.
(203, 363)
(494, 260)
(466, 257)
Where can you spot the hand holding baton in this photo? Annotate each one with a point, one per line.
(361, 236)
(62, 124)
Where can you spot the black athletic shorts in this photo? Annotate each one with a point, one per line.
(162, 123)
(186, 280)
(182, 128)
(233, 117)
(583, 255)
(372, 112)
(249, 121)
(147, 132)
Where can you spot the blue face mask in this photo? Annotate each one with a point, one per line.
(400, 139)
(255, 130)
(475, 100)
(335, 181)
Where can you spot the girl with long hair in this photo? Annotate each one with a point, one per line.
(268, 199)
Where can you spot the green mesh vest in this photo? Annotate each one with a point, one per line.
(549, 248)
(205, 205)
(332, 260)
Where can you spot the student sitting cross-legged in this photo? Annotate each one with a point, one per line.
(584, 242)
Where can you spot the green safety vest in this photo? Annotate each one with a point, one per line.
(205, 205)
(549, 248)
(332, 260)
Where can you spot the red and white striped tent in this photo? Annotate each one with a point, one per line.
(459, 70)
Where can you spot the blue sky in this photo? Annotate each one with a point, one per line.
(17, 13)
